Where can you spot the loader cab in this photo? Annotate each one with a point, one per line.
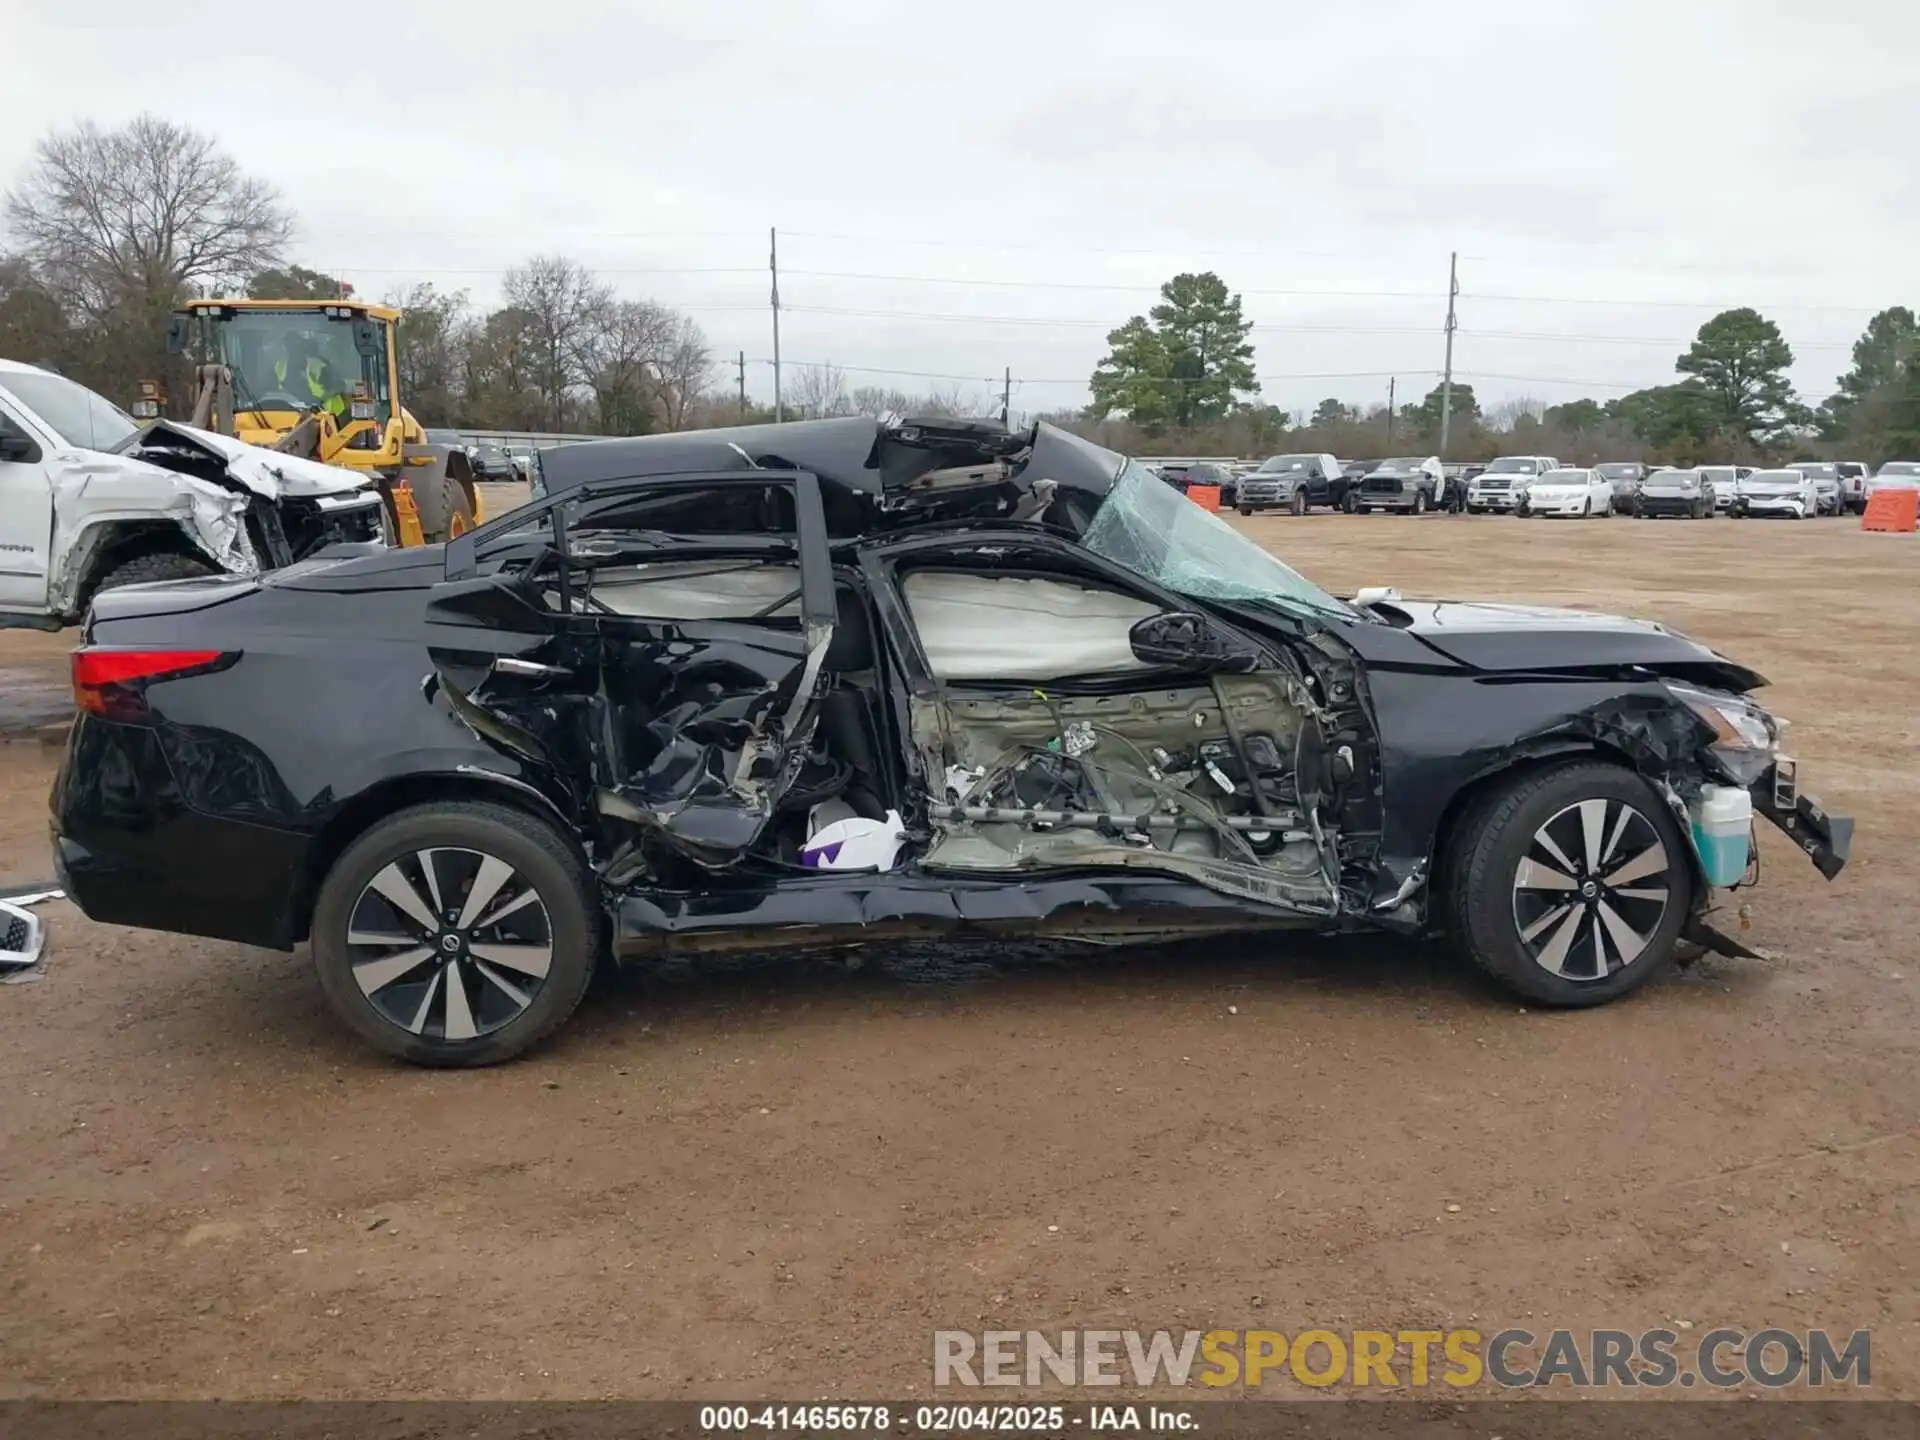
(278, 351)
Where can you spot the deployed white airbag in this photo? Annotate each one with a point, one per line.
(699, 590)
(994, 627)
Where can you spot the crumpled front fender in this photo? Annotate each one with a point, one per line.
(95, 493)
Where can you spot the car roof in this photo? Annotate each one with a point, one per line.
(15, 367)
(858, 453)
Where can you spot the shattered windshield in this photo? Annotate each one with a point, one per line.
(1157, 532)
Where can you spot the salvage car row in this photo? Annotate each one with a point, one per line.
(1538, 485)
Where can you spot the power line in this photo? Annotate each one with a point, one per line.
(1080, 379)
(1134, 289)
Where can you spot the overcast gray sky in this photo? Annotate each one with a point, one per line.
(995, 184)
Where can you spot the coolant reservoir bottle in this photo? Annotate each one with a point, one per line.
(1722, 819)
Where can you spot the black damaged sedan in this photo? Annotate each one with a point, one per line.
(847, 681)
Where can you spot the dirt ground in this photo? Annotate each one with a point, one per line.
(778, 1178)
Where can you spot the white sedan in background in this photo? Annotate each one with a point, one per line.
(1895, 475)
(1778, 492)
(1569, 492)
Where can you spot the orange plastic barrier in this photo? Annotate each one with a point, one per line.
(1207, 497)
(1892, 510)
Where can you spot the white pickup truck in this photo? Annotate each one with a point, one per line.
(90, 499)
(1504, 483)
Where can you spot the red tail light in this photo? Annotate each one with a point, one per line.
(111, 682)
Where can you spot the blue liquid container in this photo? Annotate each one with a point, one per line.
(1722, 819)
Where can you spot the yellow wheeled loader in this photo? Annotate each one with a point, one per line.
(320, 379)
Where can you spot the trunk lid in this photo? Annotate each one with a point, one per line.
(168, 597)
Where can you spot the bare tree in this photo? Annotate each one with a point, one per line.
(685, 372)
(135, 216)
(431, 343)
(950, 401)
(560, 300)
(1508, 413)
(820, 391)
(621, 354)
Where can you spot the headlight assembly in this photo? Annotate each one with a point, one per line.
(1745, 736)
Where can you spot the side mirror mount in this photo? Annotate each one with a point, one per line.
(366, 337)
(177, 334)
(1185, 640)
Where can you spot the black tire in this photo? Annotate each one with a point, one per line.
(1419, 502)
(1299, 503)
(446, 509)
(1494, 898)
(506, 1018)
(1246, 509)
(1348, 504)
(160, 565)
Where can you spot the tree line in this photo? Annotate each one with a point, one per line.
(1180, 379)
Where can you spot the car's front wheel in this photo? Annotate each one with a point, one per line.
(1298, 505)
(1246, 509)
(456, 934)
(1570, 885)
(1419, 502)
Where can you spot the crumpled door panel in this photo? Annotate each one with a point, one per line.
(695, 741)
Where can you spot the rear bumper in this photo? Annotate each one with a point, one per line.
(130, 851)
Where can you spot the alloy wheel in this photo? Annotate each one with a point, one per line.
(449, 944)
(1592, 889)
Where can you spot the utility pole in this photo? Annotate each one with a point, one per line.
(740, 363)
(1446, 378)
(1392, 380)
(773, 265)
(1006, 396)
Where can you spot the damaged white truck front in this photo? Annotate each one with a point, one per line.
(90, 500)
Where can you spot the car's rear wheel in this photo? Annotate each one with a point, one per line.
(1570, 885)
(456, 934)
